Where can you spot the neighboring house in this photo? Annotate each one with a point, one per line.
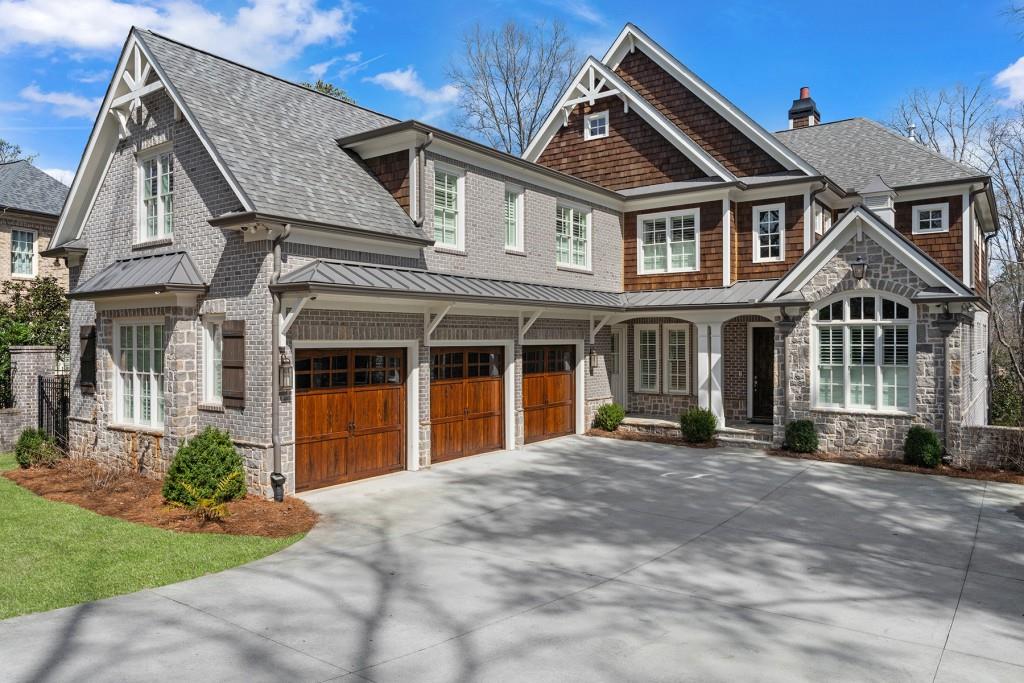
(30, 204)
(350, 295)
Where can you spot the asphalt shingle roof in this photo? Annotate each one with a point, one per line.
(852, 152)
(167, 272)
(278, 140)
(25, 187)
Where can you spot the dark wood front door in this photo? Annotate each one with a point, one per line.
(466, 402)
(549, 392)
(349, 415)
(762, 366)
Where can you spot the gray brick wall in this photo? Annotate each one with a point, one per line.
(28, 363)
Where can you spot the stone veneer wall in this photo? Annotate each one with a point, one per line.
(658, 404)
(866, 433)
(990, 446)
(28, 363)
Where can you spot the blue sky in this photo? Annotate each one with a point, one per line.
(859, 58)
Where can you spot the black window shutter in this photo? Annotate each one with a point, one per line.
(87, 369)
(233, 364)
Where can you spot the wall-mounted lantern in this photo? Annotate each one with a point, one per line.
(859, 267)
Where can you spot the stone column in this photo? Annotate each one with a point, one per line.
(27, 363)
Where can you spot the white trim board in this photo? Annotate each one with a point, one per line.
(631, 38)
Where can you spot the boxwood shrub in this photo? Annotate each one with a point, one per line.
(203, 463)
(698, 425)
(922, 447)
(609, 417)
(35, 447)
(801, 436)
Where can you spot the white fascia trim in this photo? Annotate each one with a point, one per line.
(967, 230)
(842, 233)
(648, 113)
(631, 37)
(726, 242)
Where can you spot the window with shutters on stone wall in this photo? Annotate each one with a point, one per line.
(139, 380)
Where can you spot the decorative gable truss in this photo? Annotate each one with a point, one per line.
(594, 82)
(131, 84)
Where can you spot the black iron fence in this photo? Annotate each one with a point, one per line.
(54, 404)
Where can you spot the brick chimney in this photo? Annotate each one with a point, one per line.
(804, 112)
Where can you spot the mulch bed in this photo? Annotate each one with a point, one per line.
(651, 438)
(1001, 476)
(136, 498)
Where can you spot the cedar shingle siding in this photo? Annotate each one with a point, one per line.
(392, 170)
(743, 266)
(633, 154)
(717, 136)
(710, 273)
(947, 248)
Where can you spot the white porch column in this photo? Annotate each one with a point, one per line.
(710, 369)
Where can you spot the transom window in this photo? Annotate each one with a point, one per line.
(448, 208)
(669, 242)
(929, 218)
(595, 125)
(572, 237)
(865, 354)
(23, 252)
(513, 218)
(769, 232)
(213, 361)
(157, 196)
(139, 393)
(646, 369)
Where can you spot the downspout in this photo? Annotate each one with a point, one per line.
(421, 172)
(988, 297)
(277, 479)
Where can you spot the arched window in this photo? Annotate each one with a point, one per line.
(864, 348)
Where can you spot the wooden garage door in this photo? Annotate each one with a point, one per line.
(349, 415)
(549, 391)
(466, 401)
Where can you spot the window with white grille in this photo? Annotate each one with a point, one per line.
(669, 242)
(646, 359)
(677, 359)
(572, 237)
(157, 195)
(769, 233)
(23, 253)
(139, 390)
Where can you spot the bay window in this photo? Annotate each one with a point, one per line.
(669, 242)
(864, 351)
(139, 390)
(572, 237)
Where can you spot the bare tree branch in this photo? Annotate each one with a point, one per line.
(11, 152)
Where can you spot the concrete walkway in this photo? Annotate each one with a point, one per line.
(590, 560)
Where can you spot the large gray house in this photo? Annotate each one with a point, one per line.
(350, 295)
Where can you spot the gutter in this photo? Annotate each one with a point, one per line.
(277, 479)
(232, 220)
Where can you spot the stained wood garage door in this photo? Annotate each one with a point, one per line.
(349, 415)
(549, 392)
(466, 402)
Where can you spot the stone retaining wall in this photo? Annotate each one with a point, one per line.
(991, 447)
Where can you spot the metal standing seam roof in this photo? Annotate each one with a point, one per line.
(854, 151)
(167, 272)
(383, 280)
(278, 141)
(25, 187)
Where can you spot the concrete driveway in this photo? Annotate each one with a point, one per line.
(590, 560)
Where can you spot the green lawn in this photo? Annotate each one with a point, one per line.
(55, 554)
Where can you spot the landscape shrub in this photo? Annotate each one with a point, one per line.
(213, 508)
(698, 425)
(922, 447)
(35, 447)
(801, 436)
(201, 467)
(609, 417)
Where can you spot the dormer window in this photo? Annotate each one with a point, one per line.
(595, 125)
(931, 218)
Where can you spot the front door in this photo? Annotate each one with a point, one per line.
(616, 367)
(762, 376)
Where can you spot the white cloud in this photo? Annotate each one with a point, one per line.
(406, 81)
(579, 9)
(61, 174)
(263, 33)
(319, 69)
(353, 57)
(1012, 79)
(354, 64)
(64, 104)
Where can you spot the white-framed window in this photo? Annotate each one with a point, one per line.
(677, 358)
(646, 357)
(449, 207)
(213, 365)
(769, 233)
(864, 348)
(572, 237)
(139, 384)
(23, 253)
(514, 199)
(931, 218)
(668, 242)
(595, 125)
(156, 195)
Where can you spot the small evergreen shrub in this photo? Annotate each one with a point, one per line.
(200, 468)
(698, 425)
(801, 436)
(35, 447)
(609, 417)
(922, 447)
(215, 507)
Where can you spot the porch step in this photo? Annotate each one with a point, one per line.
(739, 437)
